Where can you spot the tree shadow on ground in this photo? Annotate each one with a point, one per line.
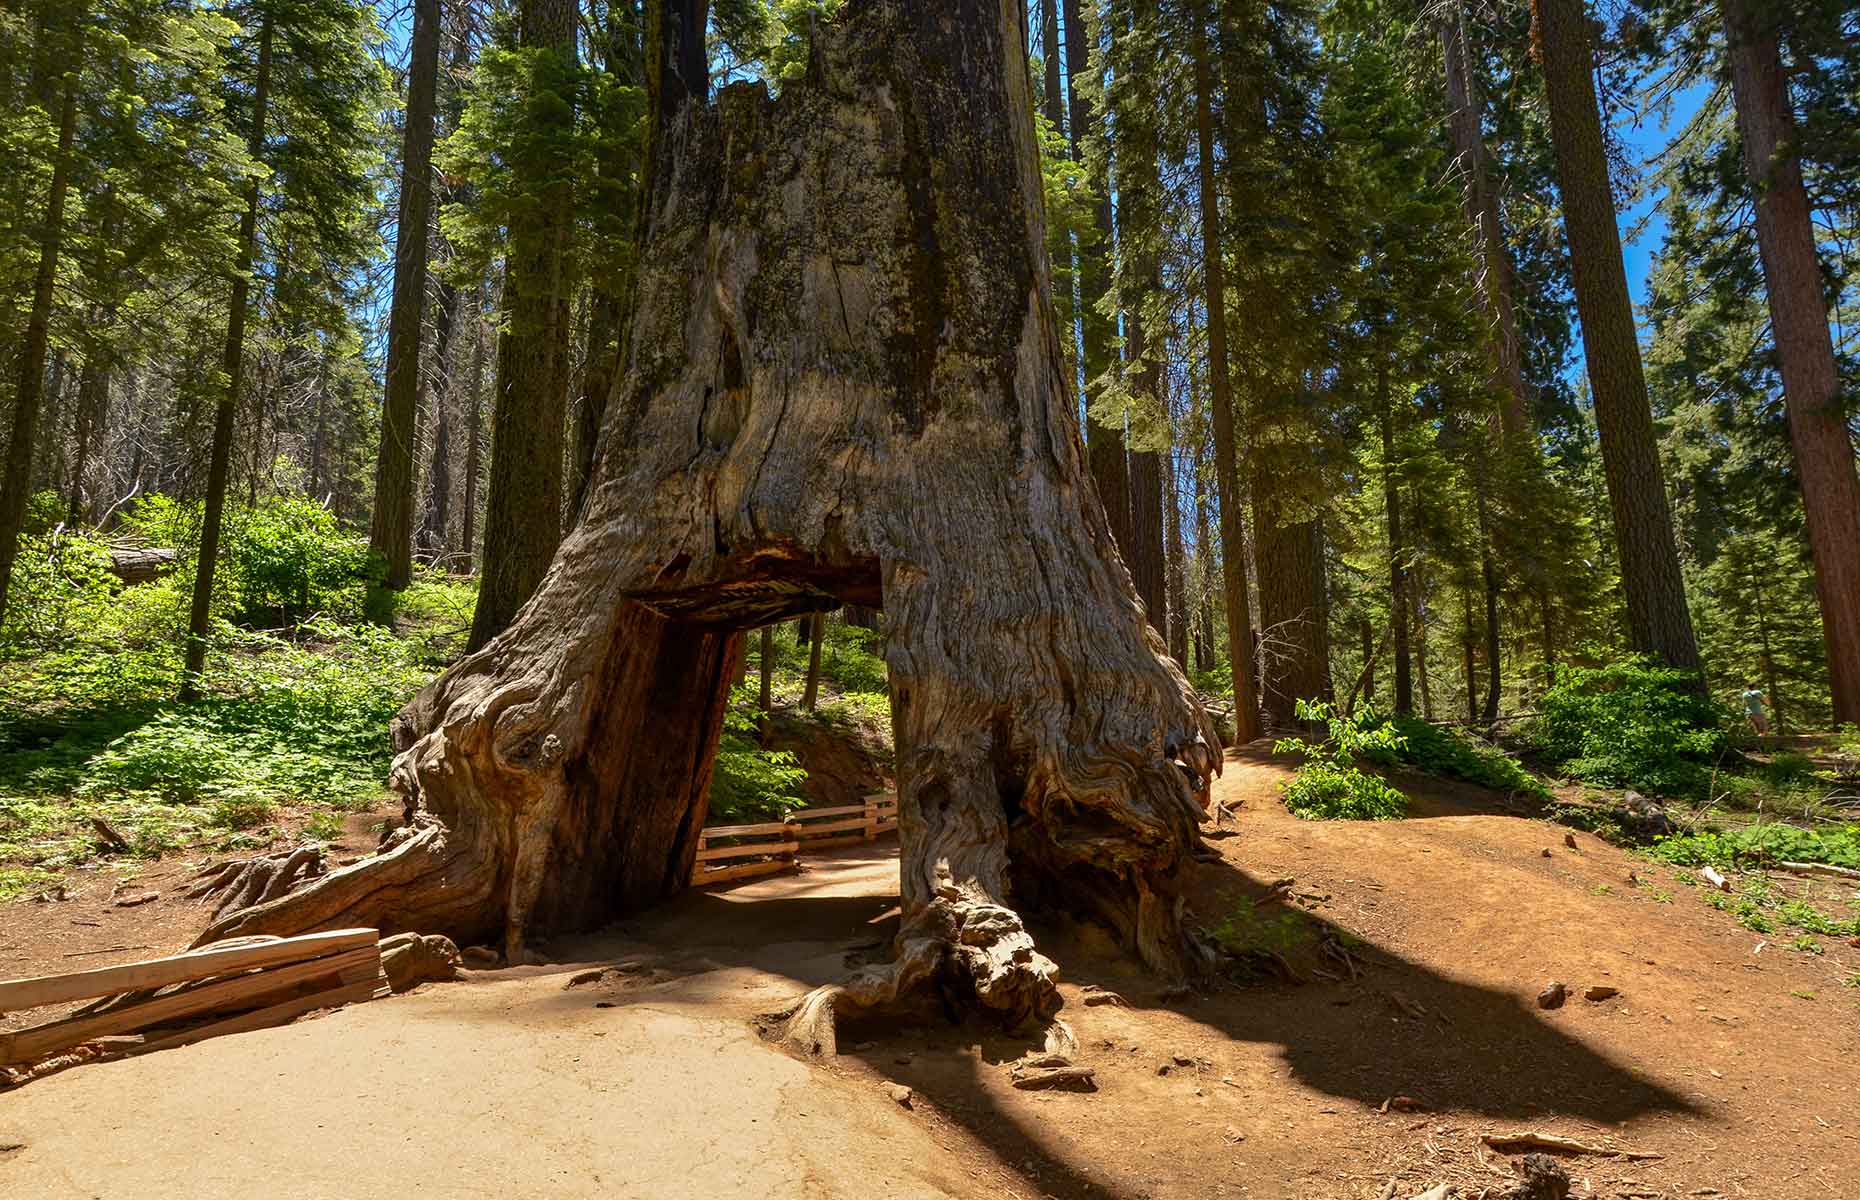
(1382, 1026)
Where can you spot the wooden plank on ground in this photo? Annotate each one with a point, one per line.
(31, 1044)
(743, 871)
(808, 831)
(180, 968)
(717, 831)
(265, 1018)
(715, 852)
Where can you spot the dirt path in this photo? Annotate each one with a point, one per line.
(649, 1082)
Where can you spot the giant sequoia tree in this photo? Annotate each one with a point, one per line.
(844, 384)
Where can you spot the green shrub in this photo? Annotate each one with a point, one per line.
(1439, 750)
(1760, 845)
(1330, 786)
(1630, 725)
(748, 783)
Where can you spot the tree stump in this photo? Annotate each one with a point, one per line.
(844, 386)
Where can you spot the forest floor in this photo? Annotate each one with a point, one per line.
(1723, 1052)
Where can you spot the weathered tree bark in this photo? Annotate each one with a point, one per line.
(1226, 454)
(1818, 430)
(1176, 573)
(1479, 200)
(1658, 621)
(844, 385)
(1053, 102)
(29, 389)
(232, 366)
(390, 529)
(523, 518)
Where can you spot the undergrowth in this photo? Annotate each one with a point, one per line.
(1330, 786)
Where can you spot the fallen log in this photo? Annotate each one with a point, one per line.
(1803, 868)
(1551, 1141)
(140, 564)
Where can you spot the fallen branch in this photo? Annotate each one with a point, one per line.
(1551, 1141)
(1710, 875)
(1802, 868)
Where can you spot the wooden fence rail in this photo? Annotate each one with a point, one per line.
(747, 851)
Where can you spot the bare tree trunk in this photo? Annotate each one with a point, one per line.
(93, 394)
(232, 366)
(1226, 456)
(1176, 572)
(817, 634)
(845, 385)
(474, 431)
(1419, 640)
(1054, 95)
(1488, 577)
(523, 520)
(29, 388)
(1398, 548)
(1824, 451)
(1493, 282)
(436, 514)
(765, 699)
(390, 530)
(1658, 621)
(1296, 662)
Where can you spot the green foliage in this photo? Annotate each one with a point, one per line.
(1762, 844)
(1630, 724)
(1245, 932)
(1441, 750)
(750, 784)
(1330, 786)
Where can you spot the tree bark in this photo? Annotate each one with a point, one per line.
(29, 389)
(1176, 573)
(1818, 430)
(1658, 621)
(1226, 457)
(390, 529)
(1054, 92)
(1295, 658)
(844, 385)
(523, 519)
(232, 366)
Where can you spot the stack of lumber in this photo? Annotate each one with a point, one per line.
(227, 987)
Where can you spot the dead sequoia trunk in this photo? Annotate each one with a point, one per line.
(844, 385)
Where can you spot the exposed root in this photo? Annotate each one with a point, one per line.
(250, 881)
(964, 952)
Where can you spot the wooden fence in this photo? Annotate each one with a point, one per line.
(729, 852)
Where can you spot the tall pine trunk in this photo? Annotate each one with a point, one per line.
(523, 519)
(1398, 548)
(436, 513)
(1479, 200)
(1110, 469)
(1655, 590)
(1824, 451)
(232, 366)
(390, 530)
(474, 433)
(29, 388)
(1220, 381)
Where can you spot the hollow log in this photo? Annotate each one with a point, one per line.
(844, 386)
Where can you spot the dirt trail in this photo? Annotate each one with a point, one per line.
(649, 1082)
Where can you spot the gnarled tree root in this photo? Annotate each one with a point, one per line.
(246, 882)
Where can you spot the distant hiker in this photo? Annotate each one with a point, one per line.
(1753, 709)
